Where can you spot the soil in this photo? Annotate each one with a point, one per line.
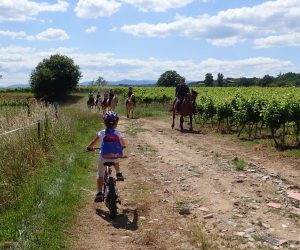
(194, 190)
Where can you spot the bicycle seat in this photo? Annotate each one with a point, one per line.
(109, 164)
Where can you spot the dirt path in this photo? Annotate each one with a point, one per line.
(182, 191)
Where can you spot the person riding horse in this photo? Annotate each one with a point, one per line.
(105, 98)
(129, 95)
(110, 96)
(91, 95)
(98, 97)
(184, 104)
(180, 93)
(91, 100)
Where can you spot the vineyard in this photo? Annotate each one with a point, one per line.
(15, 100)
(273, 111)
(256, 112)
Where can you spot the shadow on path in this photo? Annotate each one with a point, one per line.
(122, 221)
(187, 131)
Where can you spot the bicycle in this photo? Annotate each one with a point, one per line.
(110, 190)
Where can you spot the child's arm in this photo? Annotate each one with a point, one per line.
(93, 143)
(123, 142)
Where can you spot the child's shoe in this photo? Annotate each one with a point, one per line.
(120, 177)
(99, 197)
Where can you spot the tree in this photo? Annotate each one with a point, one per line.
(54, 78)
(287, 79)
(100, 81)
(169, 79)
(245, 82)
(209, 79)
(220, 80)
(266, 81)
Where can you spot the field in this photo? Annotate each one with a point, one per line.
(258, 112)
(205, 189)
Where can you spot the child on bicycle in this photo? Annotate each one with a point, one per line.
(108, 153)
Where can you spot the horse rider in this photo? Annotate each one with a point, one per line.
(105, 98)
(181, 91)
(91, 98)
(110, 96)
(129, 94)
(98, 97)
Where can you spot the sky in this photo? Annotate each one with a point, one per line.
(141, 39)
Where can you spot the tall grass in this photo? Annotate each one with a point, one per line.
(41, 180)
(23, 152)
(16, 117)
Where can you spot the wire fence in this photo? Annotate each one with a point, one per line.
(38, 123)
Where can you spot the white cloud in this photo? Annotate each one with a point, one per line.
(91, 29)
(280, 40)
(22, 60)
(22, 10)
(157, 5)
(47, 35)
(96, 8)
(53, 35)
(271, 18)
(14, 35)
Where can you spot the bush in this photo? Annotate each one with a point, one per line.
(169, 79)
(54, 78)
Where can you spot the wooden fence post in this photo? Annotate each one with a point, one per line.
(39, 129)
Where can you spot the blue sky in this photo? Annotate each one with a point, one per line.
(140, 39)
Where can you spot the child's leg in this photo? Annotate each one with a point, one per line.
(101, 172)
(100, 181)
(119, 175)
(117, 167)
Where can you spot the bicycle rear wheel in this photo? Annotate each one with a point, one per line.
(112, 198)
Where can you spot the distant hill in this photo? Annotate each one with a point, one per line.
(125, 82)
(133, 82)
(16, 86)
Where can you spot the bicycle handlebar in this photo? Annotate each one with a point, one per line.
(98, 148)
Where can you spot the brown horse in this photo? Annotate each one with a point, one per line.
(104, 105)
(112, 103)
(90, 103)
(186, 109)
(109, 105)
(130, 105)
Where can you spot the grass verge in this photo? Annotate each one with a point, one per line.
(49, 196)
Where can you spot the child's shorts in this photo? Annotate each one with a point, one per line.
(101, 167)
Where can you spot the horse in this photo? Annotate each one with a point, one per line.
(98, 103)
(91, 103)
(130, 105)
(187, 108)
(112, 103)
(109, 104)
(104, 105)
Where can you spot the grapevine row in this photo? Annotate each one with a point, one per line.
(13, 103)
